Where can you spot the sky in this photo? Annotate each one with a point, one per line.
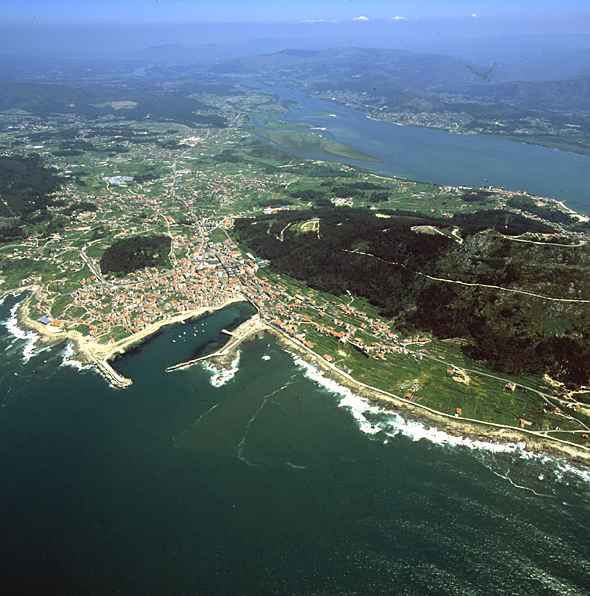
(359, 11)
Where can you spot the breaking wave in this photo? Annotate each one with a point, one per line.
(222, 376)
(293, 466)
(373, 420)
(29, 337)
(68, 359)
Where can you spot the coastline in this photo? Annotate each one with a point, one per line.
(453, 425)
(101, 355)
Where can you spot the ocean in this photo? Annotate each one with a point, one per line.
(263, 479)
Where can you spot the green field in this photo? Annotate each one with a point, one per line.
(311, 142)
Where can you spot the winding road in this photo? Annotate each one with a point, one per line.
(473, 285)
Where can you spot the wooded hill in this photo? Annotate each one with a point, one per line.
(510, 331)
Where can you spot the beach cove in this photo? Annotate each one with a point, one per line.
(101, 357)
(211, 458)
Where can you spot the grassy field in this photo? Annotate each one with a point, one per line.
(311, 142)
(422, 375)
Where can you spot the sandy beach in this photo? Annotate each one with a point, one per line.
(99, 354)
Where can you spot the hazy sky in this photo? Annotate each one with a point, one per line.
(129, 11)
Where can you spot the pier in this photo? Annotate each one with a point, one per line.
(241, 333)
(112, 376)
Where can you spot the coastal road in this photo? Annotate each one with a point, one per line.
(393, 398)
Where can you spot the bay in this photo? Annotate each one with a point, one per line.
(272, 480)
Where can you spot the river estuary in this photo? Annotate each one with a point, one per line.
(440, 157)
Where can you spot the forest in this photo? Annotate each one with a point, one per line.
(387, 262)
(134, 253)
(136, 101)
(25, 185)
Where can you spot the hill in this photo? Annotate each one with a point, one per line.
(463, 277)
(401, 69)
(572, 94)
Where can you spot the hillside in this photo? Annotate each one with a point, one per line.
(400, 69)
(431, 275)
(573, 94)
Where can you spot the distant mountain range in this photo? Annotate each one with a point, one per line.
(389, 73)
(359, 66)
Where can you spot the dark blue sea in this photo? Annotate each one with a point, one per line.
(263, 479)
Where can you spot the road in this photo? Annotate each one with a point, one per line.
(473, 285)
(91, 265)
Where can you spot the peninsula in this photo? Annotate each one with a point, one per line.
(468, 306)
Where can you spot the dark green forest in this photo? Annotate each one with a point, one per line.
(134, 253)
(92, 101)
(25, 185)
(510, 332)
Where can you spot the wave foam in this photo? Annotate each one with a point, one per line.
(373, 420)
(564, 469)
(69, 360)
(293, 466)
(29, 337)
(222, 376)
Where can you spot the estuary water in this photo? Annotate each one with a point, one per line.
(440, 157)
(264, 479)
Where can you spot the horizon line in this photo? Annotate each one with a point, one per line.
(360, 21)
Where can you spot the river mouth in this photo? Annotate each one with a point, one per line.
(434, 156)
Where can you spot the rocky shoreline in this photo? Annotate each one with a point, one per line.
(453, 425)
(101, 355)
